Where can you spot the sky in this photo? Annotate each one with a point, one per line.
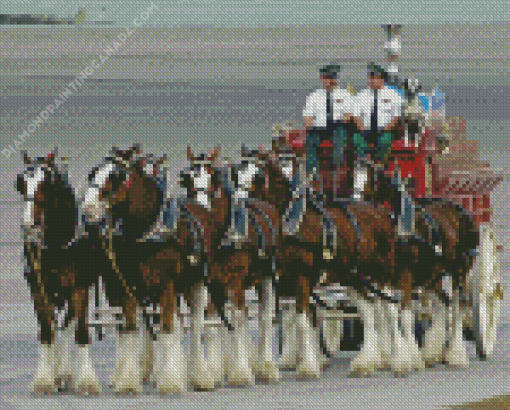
(252, 13)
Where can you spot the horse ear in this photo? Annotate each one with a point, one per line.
(215, 154)
(161, 160)
(129, 153)
(26, 159)
(50, 160)
(189, 153)
(135, 149)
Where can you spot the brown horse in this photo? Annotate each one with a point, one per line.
(232, 270)
(154, 253)
(424, 267)
(64, 259)
(364, 254)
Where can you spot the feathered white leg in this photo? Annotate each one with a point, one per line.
(239, 371)
(64, 369)
(170, 371)
(383, 332)
(44, 377)
(323, 359)
(435, 337)
(289, 349)
(120, 355)
(129, 378)
(308, 366)
(414, 356)
(265, 367)
(369, 358)
(399, 362)
(226, 347)
(147, 356)
(87, 382)
(333, 332)
(199, 377)
(212, 338)
(456, 354)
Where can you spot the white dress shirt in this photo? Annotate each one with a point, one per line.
(341, 103)
(389, 106)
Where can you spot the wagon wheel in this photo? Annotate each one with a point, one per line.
(486, 318)
(487, 295)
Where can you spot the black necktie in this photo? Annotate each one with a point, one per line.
(329, 115)
(373, 118)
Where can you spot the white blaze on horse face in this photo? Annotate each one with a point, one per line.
(32, 186)
(246, 175)
(201, 179)
(91, 204)
(245, 180)
(149, 169)
(287, 168)
(202, 183)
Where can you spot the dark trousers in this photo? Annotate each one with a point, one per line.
(381, 141)
(338, 134)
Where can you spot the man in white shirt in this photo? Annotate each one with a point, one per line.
(325, 115)
(377, 112)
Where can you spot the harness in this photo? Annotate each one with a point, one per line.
(352, 218)
(296, 209)
(196, 229)
(422, 202)
(262, 241)
(165, 224)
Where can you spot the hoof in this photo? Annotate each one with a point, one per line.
(268, 372)
(402, 368)
(63, 379)
(359, 374)
(146, 374)
(170, 383)
(324, 361)
(116, 375)
(457, 360)
(384, 366)
(64, 383)
(90, 388)
(429, 364)
(176, 387)
(241, 378)
(457, 365)
(308, 372)
(204, 382)
(43, 386)
(125, 387)
(364, 366)
(287, 364)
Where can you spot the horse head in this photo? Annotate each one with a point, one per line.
(35, 185)
(50, 203)
(243, 175)
(202, 178)
(278, 171)
(108, 183)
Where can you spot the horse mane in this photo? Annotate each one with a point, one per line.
(143, 209)
(60, 210)
(270, 167)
